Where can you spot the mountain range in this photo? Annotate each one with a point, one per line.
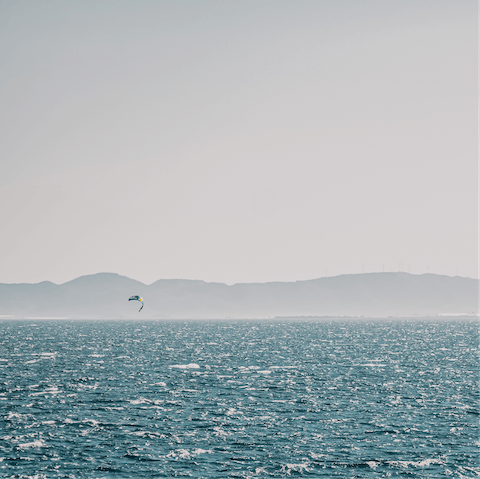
(105, 296)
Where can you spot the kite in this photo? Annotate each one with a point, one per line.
(137, 298)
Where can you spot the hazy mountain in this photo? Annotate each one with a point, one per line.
(105, 295)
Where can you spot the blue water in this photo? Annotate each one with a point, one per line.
(243, 399)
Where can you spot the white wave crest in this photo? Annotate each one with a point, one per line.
(92, 422)
(186, 454)
(140, 401)
(186, 366)
(288, 468)
(27, 445)
(149, 434)
(423, 463)
(13, 415)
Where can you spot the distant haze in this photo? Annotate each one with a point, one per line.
(248, 141)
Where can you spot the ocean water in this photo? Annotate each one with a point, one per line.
(242, 399)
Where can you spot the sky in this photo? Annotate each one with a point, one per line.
(247, 141)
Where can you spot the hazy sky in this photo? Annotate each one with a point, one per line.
(239, 141)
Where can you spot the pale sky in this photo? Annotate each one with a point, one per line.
(239, 141)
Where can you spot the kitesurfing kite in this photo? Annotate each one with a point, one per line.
(137, 298)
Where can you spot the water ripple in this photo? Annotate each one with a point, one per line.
(244, 399)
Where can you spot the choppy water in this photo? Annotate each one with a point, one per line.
(126, 399)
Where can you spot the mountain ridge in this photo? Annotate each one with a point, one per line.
(105, 295)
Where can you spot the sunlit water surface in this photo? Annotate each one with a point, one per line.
(326, 398)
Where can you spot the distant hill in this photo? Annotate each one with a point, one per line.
(105, 295)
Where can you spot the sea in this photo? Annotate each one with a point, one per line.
(352, 397)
